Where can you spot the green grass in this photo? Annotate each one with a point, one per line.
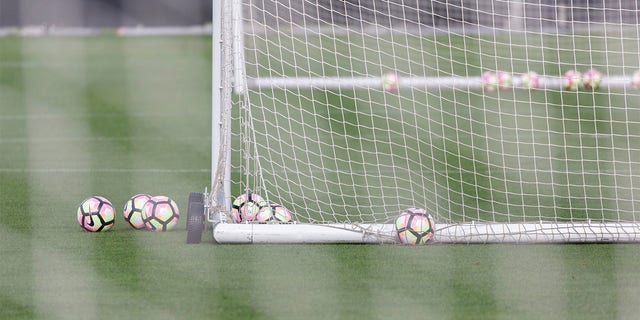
(117, 116)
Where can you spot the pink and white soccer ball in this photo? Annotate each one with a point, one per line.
(96, 214)
(246, 207)
(415, 226)
(504, 80)
(390, 81)
(489, 81)
(264, 214)
(160, 213)
(572, 80)
(591, 79)
(274, 212)
(635, 79)
(133, 210)
(530, 80)
(281, 213)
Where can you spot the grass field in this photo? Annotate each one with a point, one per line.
(118, 116)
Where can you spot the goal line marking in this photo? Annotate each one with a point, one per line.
(25, 140)
(103, 170)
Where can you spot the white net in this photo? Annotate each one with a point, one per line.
(359, 109)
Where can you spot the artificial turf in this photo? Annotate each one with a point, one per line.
(115, 116)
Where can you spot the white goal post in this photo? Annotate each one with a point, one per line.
(508, 120)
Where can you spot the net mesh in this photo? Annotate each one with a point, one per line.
(350, 111)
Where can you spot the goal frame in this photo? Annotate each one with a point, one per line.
(465, 233)
(211, 207)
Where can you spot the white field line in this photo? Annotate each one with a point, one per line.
(24, 140)
(63, 116)
(42, 30)
(101, 170)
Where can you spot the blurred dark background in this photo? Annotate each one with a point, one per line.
(508, 14)
(104, 13)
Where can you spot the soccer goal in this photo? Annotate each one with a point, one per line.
(508, 121)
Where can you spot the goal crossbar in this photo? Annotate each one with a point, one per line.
(332, 83)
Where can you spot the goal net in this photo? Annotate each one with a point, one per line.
(348, 112)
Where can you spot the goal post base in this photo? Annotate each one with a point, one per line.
(543, 232)
(303, 233)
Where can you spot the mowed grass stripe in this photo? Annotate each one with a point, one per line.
(128, 274)
(16, 282)
(54, 292)
(105, 170)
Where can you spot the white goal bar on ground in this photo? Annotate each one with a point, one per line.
(543, 232)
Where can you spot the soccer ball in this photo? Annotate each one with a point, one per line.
(390, 82)
(246, 207)
(415, 226)
(489, 81)
(504, 79)
(281, 213)
(160, 213)
(96, 214)
(133, 210)
(572, 80)
(530, 80)
(274, 212)
(591, 79)
(264, 214)
(635, 79)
